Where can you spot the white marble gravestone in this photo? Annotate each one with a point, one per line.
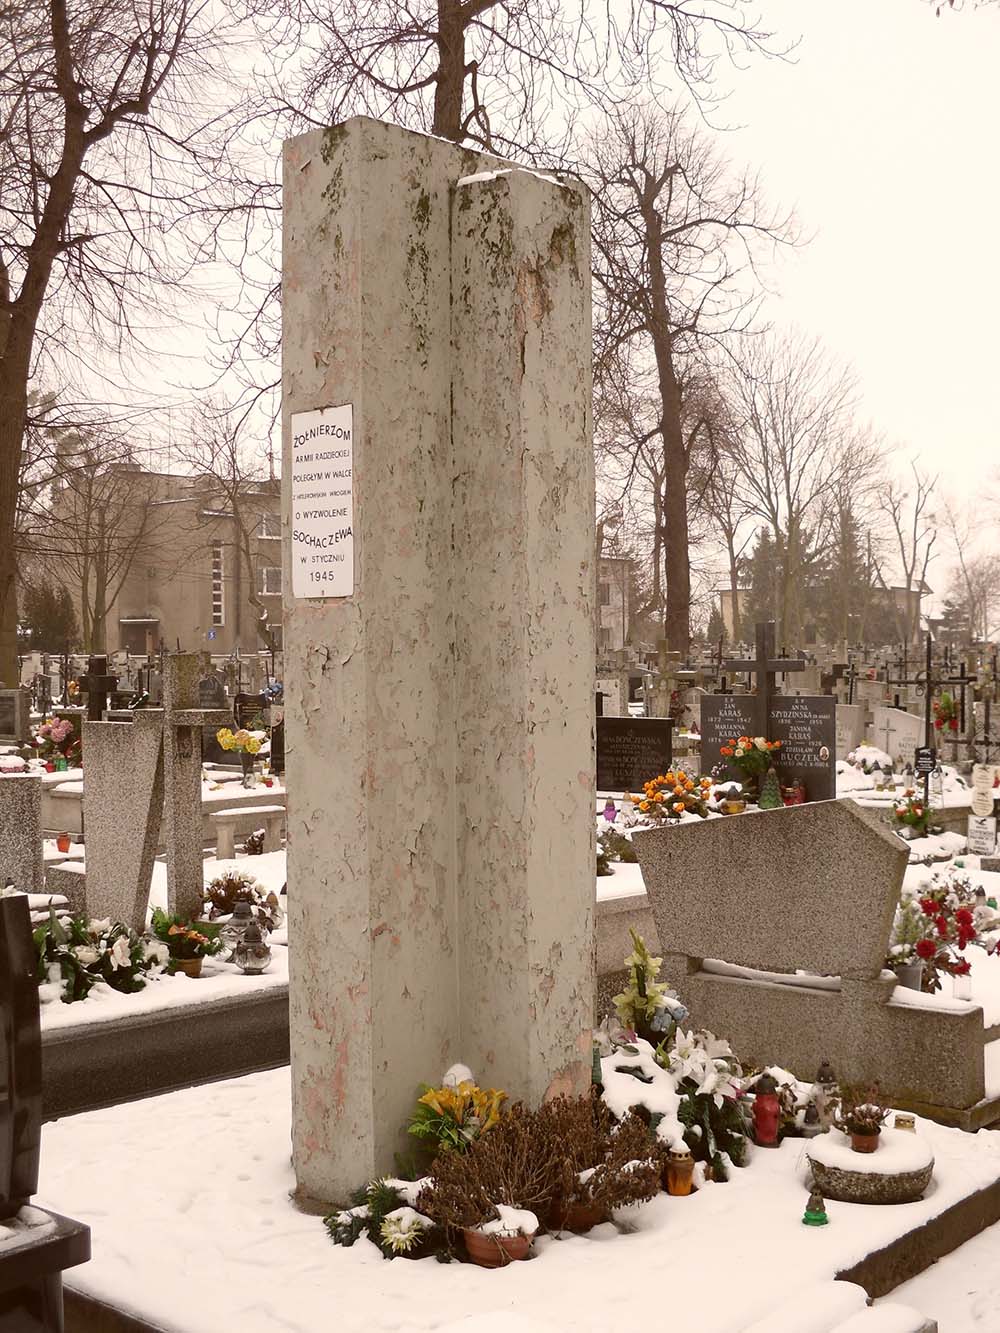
(850, 728)
(438, 483)
(897, 733)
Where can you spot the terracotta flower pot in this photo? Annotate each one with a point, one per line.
(63, 842)
(493, 1251)
(577, 1215)
(191, 967)
(864, 1142)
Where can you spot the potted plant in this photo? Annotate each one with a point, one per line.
(910, 816)
(646, 1006)
(450, 1117)
(861, 1115)
(188, 944)
(910, 930)
(751, 756)
(246, 744)
(494, 1191)
(600, 1165)
(945, 712)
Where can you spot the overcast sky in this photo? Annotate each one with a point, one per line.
(883, 135)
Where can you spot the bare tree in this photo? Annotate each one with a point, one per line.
(793, 445)
(237, 479)
(517, 78)
(718, 485)
(100, 154)
(676, 234)
(914, 527)
(98, 517)
(498, 74)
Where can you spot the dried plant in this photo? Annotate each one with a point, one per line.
(595, 1160)
(535, 1160)
(503, 1166)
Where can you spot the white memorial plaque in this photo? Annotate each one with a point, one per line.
(982, 835)
(322, 523)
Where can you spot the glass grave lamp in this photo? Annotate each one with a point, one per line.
(252, 954)
(233, 931)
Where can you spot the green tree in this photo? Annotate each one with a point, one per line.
(48, 620)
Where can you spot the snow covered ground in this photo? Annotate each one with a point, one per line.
(962, 1290)
(210, 1240)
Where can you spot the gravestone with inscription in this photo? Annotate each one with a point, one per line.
(631, 751)
(807, 729)
(805, 724)
(438, 497)
(898, 733)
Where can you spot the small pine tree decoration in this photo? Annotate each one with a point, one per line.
(770, 792)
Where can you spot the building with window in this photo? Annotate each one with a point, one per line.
(199, 565)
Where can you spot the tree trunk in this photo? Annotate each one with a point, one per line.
(13, 412)
(734, 588)
(677, 568)
(98, 627)
(450, 83)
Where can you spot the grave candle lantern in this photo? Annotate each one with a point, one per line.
(252, 954)
(766, 1112)
(680, 1170)
(236, 927)
(610, 811)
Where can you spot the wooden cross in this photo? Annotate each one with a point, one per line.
(764, 666)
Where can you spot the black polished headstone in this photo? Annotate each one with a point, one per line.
(631, 751)
(211, 693)
(806, 725)
(20, 1058)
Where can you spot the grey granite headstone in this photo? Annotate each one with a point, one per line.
(15, 716)
(122, 805)
(21, 831)
(741, 903)
(182, 760)
(811, 886)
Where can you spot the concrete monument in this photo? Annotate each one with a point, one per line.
(439, 634)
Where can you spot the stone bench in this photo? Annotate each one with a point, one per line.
(249, 817)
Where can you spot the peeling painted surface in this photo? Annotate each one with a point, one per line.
(440, 848)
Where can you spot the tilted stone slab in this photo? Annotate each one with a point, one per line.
(123, 800)
(21, 831)
(808, 886)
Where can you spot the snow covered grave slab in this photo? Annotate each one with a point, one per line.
(112, 1047)
(246, 1258)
